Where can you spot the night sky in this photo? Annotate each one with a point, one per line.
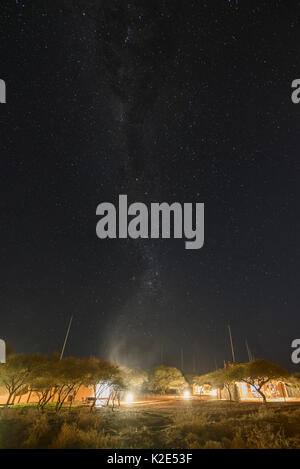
(163, 101)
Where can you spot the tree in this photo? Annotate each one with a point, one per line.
(213, 379)
(133, 378)
(102, 375)
(293, 385)
(71, 373)
(257, 374)
(294, 379)
(222, 379)
(16, 373)
(165, 378)
(43, 382)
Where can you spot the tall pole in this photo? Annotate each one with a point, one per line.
(66, 338)
(182, 359)
(162, 354)
(248, 351)
(231, 343)
(197, 360)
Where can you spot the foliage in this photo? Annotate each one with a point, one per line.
(102, 375)
(206, 424)
(257, 373)
(134, 378)
(166, 378)
(49, 377)
(17, 372)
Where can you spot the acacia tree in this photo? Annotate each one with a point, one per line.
(61, 378)
(43, 381)
(101, 375)
(257, 374)
(212, 379)
(293, 383)
(16, 373)
(294, 379)
(133, 378)
(70, 375)
(223, 379)
(163, 378)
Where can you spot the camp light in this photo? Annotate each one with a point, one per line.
(129, 398)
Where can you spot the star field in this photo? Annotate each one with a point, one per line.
(163, 102)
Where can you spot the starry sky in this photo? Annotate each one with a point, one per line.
(163, 101)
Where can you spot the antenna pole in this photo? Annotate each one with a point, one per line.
(248, 351)
(231, 343)
(182, 359)
(66, 338)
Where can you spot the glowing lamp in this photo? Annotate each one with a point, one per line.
(129, 398)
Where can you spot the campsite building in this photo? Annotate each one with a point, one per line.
(241, 391)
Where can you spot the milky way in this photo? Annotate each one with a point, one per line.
(162, 101)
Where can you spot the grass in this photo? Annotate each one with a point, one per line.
(192, 425)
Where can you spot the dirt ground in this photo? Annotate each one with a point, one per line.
(168, 422)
